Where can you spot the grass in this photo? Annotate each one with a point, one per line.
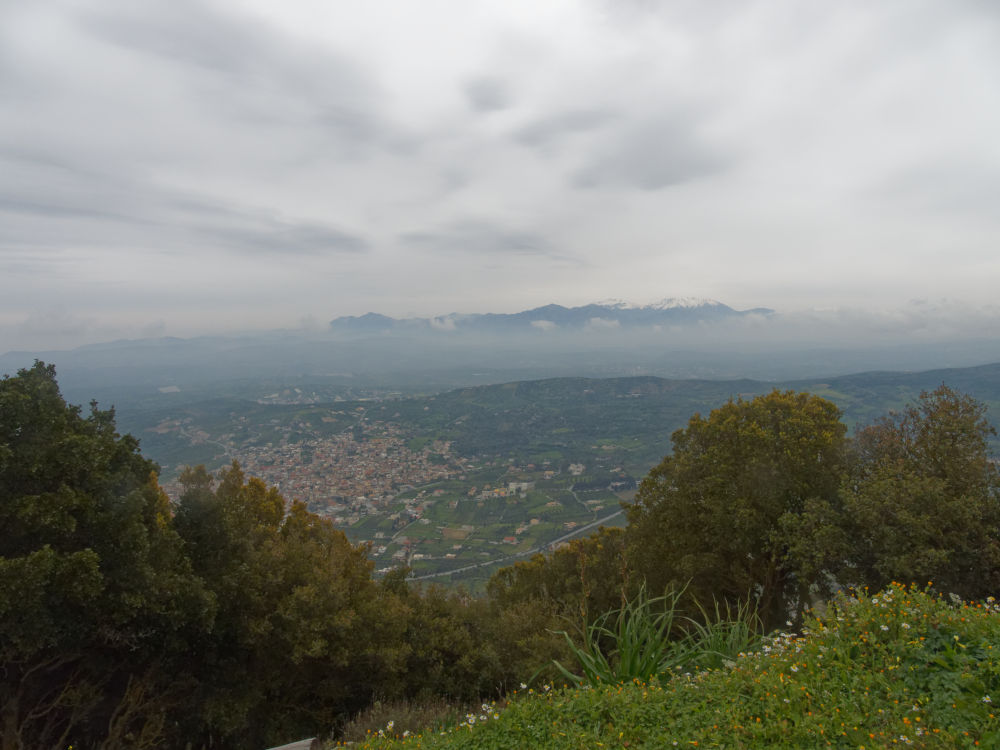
(906, 666)
(648, 638)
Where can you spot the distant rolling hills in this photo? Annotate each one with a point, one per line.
(638, 414)
(627, 420)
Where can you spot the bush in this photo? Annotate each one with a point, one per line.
(649, 638)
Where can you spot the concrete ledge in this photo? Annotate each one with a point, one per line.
(309, 744)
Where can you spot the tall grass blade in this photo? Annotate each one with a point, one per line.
(647, 637)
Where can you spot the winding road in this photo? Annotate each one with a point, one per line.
(516, 555)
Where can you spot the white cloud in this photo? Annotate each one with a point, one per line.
(602, 324)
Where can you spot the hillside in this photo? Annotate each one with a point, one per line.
(900, 667)
(528, 418)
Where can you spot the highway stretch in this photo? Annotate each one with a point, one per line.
(516, 555)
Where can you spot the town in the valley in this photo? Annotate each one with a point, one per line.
(420, 504)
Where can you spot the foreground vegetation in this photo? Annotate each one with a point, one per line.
(905, 666)
(234, 619)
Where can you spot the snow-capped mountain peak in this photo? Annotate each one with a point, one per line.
(616, 304)
(671, 303)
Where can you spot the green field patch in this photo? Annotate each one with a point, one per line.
(421, 531)
(370, 525)
(417, 444)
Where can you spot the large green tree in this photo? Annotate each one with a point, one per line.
(922, 501)
(303, 636)
(96, 596)
(721, 515)
(578, 581)
(564, 591)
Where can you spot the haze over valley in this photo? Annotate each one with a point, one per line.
(459, 444)
(373, 353)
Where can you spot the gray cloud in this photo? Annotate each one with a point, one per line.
(253, 233)
(694, 14)
(487, 94)
(184, 31)
(88, 180)
(544, 131)
(652, 155)
(958, 187)
(55, 203)
(56, 321)
(248, 72)
(480, 237)
(54, 188)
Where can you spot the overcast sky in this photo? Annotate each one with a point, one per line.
(182, 166)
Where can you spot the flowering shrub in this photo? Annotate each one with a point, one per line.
(902, 667)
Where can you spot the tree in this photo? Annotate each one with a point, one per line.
(921, 502)
(233, 619)
(579, 581)
(451, 646)
(303, 636)
(721, 514)
(534, 601)
(96, 597)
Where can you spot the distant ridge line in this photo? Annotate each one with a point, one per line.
(600, 315)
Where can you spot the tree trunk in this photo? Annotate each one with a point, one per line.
(11, 737)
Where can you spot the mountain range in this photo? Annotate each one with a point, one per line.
(605, 315)
(360, 356)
